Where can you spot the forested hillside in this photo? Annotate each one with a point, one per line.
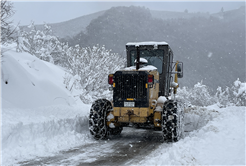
(212, 48)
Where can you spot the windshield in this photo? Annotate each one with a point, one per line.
(154, 57)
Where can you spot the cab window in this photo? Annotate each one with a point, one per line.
(154, 57)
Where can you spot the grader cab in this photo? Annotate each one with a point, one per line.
(143, 94)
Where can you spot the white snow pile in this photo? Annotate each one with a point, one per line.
(39, 115)
(29, 82)
(27, 133)
(216, 137)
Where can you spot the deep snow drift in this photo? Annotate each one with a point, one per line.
(40, 117)
(217, 137)
(28, 82)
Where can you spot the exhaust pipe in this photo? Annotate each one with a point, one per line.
(138, 58)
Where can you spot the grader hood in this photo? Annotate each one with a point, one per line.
(130, 86)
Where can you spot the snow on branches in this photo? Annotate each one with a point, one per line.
(200, 95)
(39, 43)
(89, 68)
(7, 29)
(236, 95)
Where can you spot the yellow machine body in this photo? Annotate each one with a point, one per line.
(140, 114)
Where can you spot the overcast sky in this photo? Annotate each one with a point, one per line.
(58, 11)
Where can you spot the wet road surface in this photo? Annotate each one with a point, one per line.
(130, 147)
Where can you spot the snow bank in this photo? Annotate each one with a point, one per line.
(221, 141)
(27, 133)
(28, 82)
(39, 115)
(197, 117)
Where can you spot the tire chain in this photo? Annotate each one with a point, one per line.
(97, 118)
(172, 129)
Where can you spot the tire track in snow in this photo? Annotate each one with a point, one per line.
(132, 146)
(129, 148)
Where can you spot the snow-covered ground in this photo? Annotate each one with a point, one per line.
(217, 137)
(40, 117)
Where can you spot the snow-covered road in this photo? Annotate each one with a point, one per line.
(132, 145)
(213, 136)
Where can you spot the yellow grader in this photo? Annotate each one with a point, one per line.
(143, 94)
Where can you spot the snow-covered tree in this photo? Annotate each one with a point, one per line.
(39, 43)
(198, 95)
(7, 30)
(223, 97)
(235, 95)
(183, 96)
(89, 69)
(239, 93)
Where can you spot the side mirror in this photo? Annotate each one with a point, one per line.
(180, 70)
